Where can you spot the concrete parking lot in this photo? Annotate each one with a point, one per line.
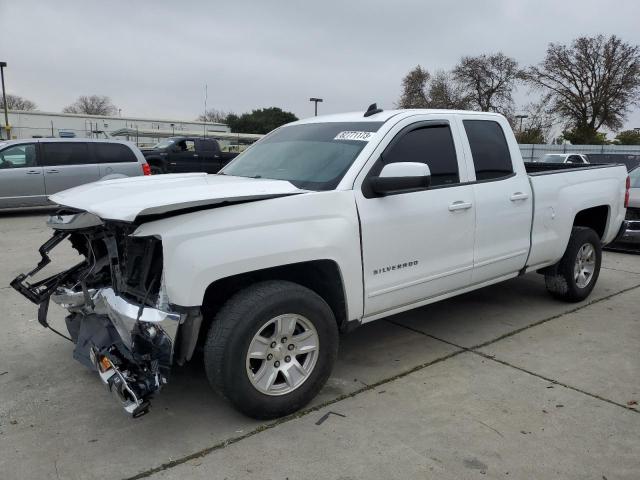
(504, 382)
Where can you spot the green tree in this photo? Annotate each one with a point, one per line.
(579, 136)
(446, 93)
(259, 121)
(628, 137)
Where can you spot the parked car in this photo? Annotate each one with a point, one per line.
(33, 169)
(629, 239)
(321, 226)
(187, 154)
(564, 158)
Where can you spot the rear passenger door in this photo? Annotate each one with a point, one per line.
(115, 159)
(66, 165)
(503, 201)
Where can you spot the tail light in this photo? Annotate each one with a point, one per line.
(146, 170)
(626, 192)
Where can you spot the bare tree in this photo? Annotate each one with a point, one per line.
(488, 80)
(92, 105)
(538, 126)
(590, 84)
(214, 116)
(414, 87)
(15, 102)
(445, 92)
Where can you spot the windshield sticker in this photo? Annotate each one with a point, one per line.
(359, 136)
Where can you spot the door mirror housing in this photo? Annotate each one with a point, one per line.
(401, 177)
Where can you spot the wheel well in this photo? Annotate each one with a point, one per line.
(321, 276)
(594, 218)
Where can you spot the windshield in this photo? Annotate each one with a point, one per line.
(164, 143)
(551, 158)
(312, 156)
(634, 175)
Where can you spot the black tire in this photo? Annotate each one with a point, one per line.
(234, 327)
(157, 170)
(561, 281)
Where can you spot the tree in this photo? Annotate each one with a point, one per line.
(445, 92)
(92, 105)
(628, 137)
(590, 84)
(15, 102)
(214, 116)
(488, 80)
(414, 87)
(536, 128)
(259, 121)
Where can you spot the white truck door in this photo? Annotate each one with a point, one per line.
(417, 245)
(503, 200)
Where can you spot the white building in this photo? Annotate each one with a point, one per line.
(143, 131)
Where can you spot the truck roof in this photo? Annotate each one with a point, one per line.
(384, 115)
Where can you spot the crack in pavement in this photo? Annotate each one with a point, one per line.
(620, 270)
(474, 349)
(302, 413)
(280, 421)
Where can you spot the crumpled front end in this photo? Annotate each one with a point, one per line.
(120, 320)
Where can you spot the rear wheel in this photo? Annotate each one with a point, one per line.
(271, 348)
(575, 276)
(157, 170)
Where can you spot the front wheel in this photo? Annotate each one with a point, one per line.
(271, 348)
(574, 277)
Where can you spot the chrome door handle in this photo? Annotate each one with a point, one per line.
(53, 171)
(459, 205)
(519, 196)
(33, 172)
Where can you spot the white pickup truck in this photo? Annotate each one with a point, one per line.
(321, 226)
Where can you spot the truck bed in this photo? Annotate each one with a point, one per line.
(540, 168)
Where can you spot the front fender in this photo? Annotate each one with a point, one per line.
(202, 247)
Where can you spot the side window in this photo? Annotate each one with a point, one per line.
(18, 156)
(113, 153)
(204, 146)
(489, 149)
(432, 145)
(65, 153)
(574, 159)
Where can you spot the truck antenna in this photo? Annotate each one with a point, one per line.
(372, 110)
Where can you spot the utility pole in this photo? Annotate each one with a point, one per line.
(315, 101)
(7, 128)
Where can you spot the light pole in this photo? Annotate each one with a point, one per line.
(521, 117)
(173, 132)
(4, 102)
(315, 101)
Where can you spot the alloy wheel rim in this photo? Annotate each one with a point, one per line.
(585, 265)
(282, 354)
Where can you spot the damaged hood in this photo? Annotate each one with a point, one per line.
(128, 198)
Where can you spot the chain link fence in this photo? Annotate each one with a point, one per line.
(532, 152)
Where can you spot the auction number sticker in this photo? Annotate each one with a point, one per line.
(351, 135)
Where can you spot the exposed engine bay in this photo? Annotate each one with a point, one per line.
(119, 317)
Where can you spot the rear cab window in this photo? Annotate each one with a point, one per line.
(65, 153)
(489, 149)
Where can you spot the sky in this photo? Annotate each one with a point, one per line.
(154, 58)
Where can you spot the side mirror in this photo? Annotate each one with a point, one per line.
(401, 177)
